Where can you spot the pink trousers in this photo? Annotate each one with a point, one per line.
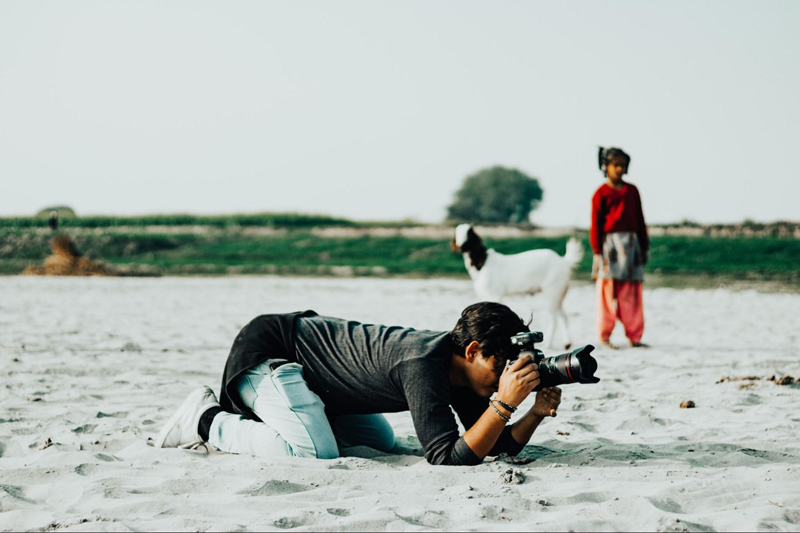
(620, 300)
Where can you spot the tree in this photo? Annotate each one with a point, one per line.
(496, 194)
(62, 210)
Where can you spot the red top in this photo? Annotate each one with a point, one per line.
(617, 210)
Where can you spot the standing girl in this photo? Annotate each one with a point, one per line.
(620, 243)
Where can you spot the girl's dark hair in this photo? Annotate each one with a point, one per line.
(607, 155)
(492, 325)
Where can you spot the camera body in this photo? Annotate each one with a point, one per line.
(526, 342)
(577, 366)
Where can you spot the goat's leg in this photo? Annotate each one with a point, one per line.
(565, 324)
(552, 326)
(556, 300)
(554, 308)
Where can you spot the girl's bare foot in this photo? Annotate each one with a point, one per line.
(607, 344)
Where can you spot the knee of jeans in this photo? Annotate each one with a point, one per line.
(381, 437)
(385, 441)
(325, 445)
(328, 452)
(246, 388)
(292, 386)
(318, 450)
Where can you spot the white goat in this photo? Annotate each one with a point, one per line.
(495, 275)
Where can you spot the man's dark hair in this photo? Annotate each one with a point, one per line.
(492, 325)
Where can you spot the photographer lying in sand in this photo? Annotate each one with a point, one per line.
(301, 384)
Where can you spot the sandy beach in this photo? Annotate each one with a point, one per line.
(92, 367)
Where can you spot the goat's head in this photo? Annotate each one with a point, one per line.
(466, 241)
(460, 239)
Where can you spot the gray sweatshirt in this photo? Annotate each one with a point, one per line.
(360, 368)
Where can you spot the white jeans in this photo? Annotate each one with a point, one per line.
(294, 420)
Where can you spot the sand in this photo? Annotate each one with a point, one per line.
(91, 368)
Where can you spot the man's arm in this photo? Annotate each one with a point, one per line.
(483, 434)
(516, 383)
(470, 407)
(547, 402)
(429, 402)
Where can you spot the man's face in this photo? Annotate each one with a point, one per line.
(483, 380)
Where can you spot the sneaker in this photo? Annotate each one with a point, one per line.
(639, 345)
(180, 431)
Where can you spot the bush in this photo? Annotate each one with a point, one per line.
(496, 195)
(62, 210)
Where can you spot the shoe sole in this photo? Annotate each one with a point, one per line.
(194, 396)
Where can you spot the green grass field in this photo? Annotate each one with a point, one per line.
(299, 252)
(282, 220)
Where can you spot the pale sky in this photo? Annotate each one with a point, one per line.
(378, 110)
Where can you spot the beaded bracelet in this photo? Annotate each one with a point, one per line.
(507, 419)
(506, 405)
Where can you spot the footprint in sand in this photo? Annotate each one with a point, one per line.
(17, 493)
(85, 469)
(120, 414)
(750, 399)
(302, 519)
(792, 516)
(106, 458)
(430, 519)
(666, 505)
(590, 428)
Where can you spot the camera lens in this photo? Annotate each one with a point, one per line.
(577, 366)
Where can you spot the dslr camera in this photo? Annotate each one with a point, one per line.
(577, 366)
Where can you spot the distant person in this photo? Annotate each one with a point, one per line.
(620, 243)
(301, 385)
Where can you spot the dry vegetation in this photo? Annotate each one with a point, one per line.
(66, 260)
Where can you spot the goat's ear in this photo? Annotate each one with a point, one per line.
(454, 246)
(472, 236)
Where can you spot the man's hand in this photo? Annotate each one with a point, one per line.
(547, 402)
(518, 380)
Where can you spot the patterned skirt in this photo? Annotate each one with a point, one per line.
(622, 258)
